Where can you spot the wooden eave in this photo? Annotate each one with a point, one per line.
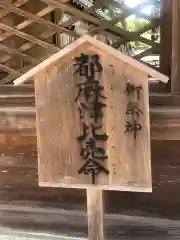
(77, 46)
(17, 19)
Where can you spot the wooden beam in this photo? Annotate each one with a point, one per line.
(18, 3)
(98, 46)
(128, 11)
(12, 51)
(165, 121)
(135, 10)
(28, 45)
(10, 70)
(143, 54)
(74, 19)
(142, 30)
(77, 18)
(26, 23)
(175, 70)
(43, 36)
(105, 24)
(12, 77)
(64, 1)
(10, 20)
(7, 79)
(11, 89)
(166, 36)
(36, 18)
(29, 37)
(146, 28)
(153, 24)
(164, 99)
(23, 48)
(121, 41)
(155, 99)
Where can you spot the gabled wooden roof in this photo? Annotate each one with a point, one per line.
(80, 46)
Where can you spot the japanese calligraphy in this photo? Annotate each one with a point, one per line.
(90, 101)
(133, 127)
(131, 89)
(132, 108)
(133, 112)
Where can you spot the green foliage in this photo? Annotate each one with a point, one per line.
(134, 24)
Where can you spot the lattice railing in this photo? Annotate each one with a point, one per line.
(33, 30)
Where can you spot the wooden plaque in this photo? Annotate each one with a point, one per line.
(59, 125)
(120, 148)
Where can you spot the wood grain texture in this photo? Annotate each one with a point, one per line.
(29, 37)
(33, 17)
(175, 72)
(19, 180)
(129, 160)
(164, 120)
(21, 158)
(60, 161)
(26, 206)
(79, 46)
(166, 41)
(95, 213)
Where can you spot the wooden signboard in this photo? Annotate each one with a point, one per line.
(127, 163)
(92, 115)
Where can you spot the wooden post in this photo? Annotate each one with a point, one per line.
(165, 44)
(95, 212)
(175, 71)
(166, 37)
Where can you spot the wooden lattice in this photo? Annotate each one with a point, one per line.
(29, 30)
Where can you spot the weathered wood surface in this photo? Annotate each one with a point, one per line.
(166, 42)
(95, 214)
(18, 154)
(92, 46)
(129, 162)
(18, 167)
(165, 124)
(24, 205)
(175, 71)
